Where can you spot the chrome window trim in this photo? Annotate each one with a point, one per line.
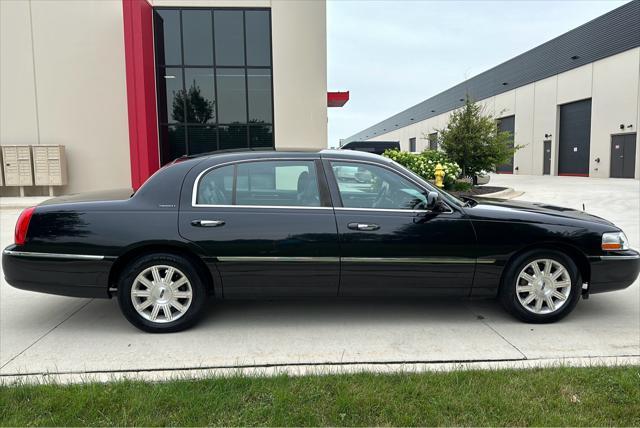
(381, 165)
(632, 257)
(280, 207)
(194, 190)
(52, 255)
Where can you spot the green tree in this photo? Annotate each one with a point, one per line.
(473, 140)
(199, 109)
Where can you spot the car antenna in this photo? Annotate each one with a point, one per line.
(583, 207)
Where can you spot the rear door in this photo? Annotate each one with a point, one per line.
(390, 244)
(266, 225)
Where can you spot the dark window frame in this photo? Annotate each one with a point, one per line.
(215, 124)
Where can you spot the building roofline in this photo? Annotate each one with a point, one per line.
(614, 32)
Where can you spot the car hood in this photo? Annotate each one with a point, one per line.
(530, 211)
(102, 195)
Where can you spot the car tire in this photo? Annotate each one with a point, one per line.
(541, 286)
(161, 293)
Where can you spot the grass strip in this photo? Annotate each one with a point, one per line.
(562, 396)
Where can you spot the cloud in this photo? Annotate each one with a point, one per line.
(394, 54)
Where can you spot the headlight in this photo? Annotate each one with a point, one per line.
(614, 241)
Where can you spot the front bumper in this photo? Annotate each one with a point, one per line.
(73, 275)
(614, 271)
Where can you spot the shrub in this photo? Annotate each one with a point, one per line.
(424, 164)
(473, 140)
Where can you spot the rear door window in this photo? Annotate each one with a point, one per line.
(262, 183)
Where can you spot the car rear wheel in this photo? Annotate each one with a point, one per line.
(161, 293)
(541, 286)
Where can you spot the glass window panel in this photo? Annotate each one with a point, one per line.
(259, 85)
(277, 183)
(232, 107)
(370, 186)
(172, 142)
(170, 96)
(200, 95)
(258, 38)
(232, 137)
(260, 136)
(167, 35)
(202, 139)
(216, 187)
(197, 37)
(229, 34)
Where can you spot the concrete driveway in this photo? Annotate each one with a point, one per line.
(76, 338)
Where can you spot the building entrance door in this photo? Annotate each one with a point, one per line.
(623, 156)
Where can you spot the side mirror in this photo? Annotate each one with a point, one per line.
(433, 200)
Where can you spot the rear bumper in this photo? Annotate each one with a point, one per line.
(73, 275)
(614, 272)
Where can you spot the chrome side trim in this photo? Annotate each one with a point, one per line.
(427, 260)
(52, 255)
(280, 259)
(633, 257)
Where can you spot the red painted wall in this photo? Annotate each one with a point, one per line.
(141, 91)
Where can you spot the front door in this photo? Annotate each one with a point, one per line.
(623, 156)
(507, 124)
(266, 226)
(389, 243)
(546, 160)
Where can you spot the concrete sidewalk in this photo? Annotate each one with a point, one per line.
(43, 337)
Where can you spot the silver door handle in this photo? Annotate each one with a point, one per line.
(207, 223)
(363, 226)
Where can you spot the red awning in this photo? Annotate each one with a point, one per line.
(337, 99)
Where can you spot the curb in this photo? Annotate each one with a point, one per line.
(8, 203)
(508, 193)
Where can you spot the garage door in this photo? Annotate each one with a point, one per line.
(575, 138)
(507, 124)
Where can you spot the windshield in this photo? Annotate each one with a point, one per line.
(450, 199)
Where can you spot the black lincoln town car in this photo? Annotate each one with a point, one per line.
(328, 224)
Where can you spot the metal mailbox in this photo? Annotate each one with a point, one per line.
(16, 161)
(49, 165)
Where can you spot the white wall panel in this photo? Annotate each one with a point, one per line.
(614, 103)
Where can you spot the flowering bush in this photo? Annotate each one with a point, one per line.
(424, 164)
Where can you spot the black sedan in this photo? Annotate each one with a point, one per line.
(329, 224)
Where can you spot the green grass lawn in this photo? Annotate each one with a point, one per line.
(553, 396)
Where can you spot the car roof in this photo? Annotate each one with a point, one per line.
(234, 155)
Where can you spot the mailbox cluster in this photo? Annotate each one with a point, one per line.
(41, 165)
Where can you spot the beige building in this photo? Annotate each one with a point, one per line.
(129, 85)
(573, 103)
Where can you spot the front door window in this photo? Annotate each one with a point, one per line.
(370, 186)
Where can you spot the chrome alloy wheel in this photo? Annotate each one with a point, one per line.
(543, 286)
(161, 294)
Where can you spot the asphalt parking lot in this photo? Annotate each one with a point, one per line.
(42, 334)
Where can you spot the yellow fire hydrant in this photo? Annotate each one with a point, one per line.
(439, 173)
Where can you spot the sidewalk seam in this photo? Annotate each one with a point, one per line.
(45, 334)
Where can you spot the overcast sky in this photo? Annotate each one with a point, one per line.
(394, 54)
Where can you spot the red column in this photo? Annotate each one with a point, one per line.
(141, 91)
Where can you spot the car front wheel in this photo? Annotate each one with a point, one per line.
(161, 293)
(541, 286)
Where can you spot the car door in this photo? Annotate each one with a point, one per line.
(267, 225)
(389, 243)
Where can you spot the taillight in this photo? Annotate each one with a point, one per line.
(22, 226)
